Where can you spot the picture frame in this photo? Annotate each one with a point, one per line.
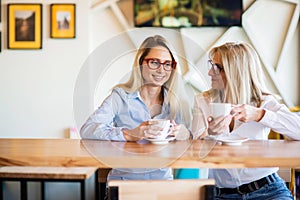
(187, 13)
(63, 21)
(24, 26)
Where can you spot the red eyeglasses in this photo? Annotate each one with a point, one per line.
(154, 63)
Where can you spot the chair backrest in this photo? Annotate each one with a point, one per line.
(189, 189)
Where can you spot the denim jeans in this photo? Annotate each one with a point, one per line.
(276, 190)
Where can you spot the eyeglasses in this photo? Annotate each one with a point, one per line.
(154, 63)
(216, 67)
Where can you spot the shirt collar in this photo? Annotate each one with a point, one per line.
(137, 94)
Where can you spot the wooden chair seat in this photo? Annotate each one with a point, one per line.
(180, 189)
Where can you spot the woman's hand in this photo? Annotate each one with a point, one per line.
(146, 129)
(219, 125)
(179, 131)
(247, 113)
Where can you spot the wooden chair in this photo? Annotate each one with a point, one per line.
(179, 189)
(45, 174)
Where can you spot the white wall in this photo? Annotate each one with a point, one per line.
(36, 91)
(37, 85)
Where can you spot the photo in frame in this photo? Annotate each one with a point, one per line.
(187, 13)
(62, 20)
(24, 26)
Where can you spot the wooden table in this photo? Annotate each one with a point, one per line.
(179, 154)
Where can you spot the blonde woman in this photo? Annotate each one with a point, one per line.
(152, 91)
(237, 78)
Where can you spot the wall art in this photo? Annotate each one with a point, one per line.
(63, 17)
(24, 26)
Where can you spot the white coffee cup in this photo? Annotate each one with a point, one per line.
(220, 109)
(165, 124)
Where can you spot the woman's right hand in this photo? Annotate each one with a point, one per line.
(219, 125)
(144, 130)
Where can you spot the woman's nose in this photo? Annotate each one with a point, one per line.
(161, 68)
(211, 72)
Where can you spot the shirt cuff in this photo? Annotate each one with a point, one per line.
(119, 135)
(269, 118)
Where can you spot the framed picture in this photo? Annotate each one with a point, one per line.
(24, 26)
(187, 13)
(62, 20)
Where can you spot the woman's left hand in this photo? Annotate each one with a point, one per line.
(179, 131)
(247, 113)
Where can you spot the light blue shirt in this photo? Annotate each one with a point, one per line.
(124, 110)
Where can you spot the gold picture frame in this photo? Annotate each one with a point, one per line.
(0, 41)
(0, 10)
(24, 26)
(62, 20)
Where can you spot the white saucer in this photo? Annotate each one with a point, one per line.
(160, 141)
(211, 137)
(232, 140)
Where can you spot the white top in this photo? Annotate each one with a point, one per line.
(277, 117)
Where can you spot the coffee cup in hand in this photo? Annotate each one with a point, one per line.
(220, 109)
(165, 125)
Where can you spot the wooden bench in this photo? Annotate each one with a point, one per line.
(45, 174)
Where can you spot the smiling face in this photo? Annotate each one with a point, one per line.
(156, 77)
(218, 81)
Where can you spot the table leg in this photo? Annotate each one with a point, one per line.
(1, 189)
(43, 192)
(82, 189)
(97, 186)
(23, 190)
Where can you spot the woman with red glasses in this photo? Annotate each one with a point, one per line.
(152, 92)
(237, 78)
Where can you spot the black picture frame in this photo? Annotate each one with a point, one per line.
(187, 13)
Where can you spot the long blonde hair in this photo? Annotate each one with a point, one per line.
(175, 98)
(243, 70)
